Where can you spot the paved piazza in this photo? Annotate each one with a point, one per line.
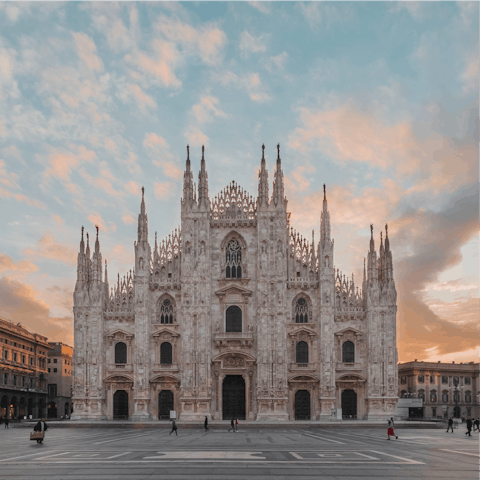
(275, 453)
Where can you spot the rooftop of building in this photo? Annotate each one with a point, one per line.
(439, 365)
(8, 326)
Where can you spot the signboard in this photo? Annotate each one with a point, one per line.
(444, 408)
(339, 413)
(173, 415)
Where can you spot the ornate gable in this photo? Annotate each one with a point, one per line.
(233, 293)
(302, 333)
(120, 335)
(348, 333)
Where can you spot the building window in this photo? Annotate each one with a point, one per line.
(432, 379)
(444, 397)
(54, 360)
(433, 396)
(421, 379)
(24, 381)
(434, 411)
(233, 320)
(166, 311)
(468, 396)
(445, 380)
(54, 370)
(166, 353)
(348, 352)
(49, 360)
(14, 356)
(48, 370)
(32, 384)
(403, 380)
(14, 380)
(120, 352)
(65, 370)
(5, 378)
(52, 389)
(302, 352)
(467, 381)
(301, 311)
(234, 260)
(31, 360)
(5, 354)
(23, 359)
(421, 394)
(469, 411)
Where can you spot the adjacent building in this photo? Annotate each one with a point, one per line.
(445, 389)
(23, 372)
(59, 380)
(235, 314)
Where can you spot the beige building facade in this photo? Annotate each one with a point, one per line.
(235, 314)
(435, 383)
(23, 372)
(60, 380)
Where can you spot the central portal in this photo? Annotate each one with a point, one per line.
(233, 395)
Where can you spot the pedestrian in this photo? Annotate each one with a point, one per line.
(390, 431)
(477, 424)
(236, 425)
(469, 427)
(6, 422)
(206, 424)
(1, 420)
(174, 428)
(42, 427)
(450, 424)
(232, 425)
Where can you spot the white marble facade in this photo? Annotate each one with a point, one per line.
(235, 314)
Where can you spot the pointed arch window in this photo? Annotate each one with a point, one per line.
(166, 312)
(233, 260)
(348, 352)
(302, 352)
(301, 311)
(120, 352)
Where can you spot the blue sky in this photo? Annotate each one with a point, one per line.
(379, 100)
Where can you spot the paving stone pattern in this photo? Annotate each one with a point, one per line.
(274, 454)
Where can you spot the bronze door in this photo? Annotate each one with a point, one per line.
(302, 405)
(165, 404)
(349, 404)
(120, 404)
(233, 397)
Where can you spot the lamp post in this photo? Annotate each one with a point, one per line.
(456, 396)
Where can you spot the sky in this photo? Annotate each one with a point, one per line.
(379, 101)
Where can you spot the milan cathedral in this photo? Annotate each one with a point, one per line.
(235, 315)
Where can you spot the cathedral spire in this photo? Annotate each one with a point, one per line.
(142, 221)
(80, 264)
(106, 275)
(278, 188)
(325, 220)
(203, 183)
(97, 243)
(87, 252)
(263, 181)
(372, 242)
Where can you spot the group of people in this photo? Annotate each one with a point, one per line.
(471, 424)
(234, 425)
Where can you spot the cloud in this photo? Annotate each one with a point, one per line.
(96, 219)
(123, 256)
(206, 110)
(49, 248)
(250, 82)
(19, 302)
(454, 286)
(159, 151)
(469, 76)
(59, 220)
(250, 44)
(263, 7)
(23, 266)
(163, 190)
(128, 219)
(277, 62)
(87, 52)
(132, 187)
(143, 100)
(325, 14)
(62, 163)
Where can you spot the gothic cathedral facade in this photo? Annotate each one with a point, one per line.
(235, 315)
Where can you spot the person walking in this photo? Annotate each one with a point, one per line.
(7, 422)
(450, 424)
(390, 431)
(174, 428)
(42, 427)
(236, 425)
(469, 427)
(477, 424)
(232, 425)
(206, 424)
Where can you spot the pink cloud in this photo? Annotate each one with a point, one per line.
(128, 219)
(163, 190)
(59, 220)
(48, 247)
(132, 187)
(123, 256)
(143, 100)
(22, 266)
(96, 219)
(87, 52)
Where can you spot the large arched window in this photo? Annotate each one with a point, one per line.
(468, 396)
(301, 311)
(166, 353)
(421, 394)
(433, 396)
(120, 352)
(166, 311)
(233, 260)
(302, 352)
(233, 319)
(445, 396)
(348, 352)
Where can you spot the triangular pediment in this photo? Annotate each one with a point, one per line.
(233, 289)
(302, 330)
(165, 331)
(119, 333)
(349, 330)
